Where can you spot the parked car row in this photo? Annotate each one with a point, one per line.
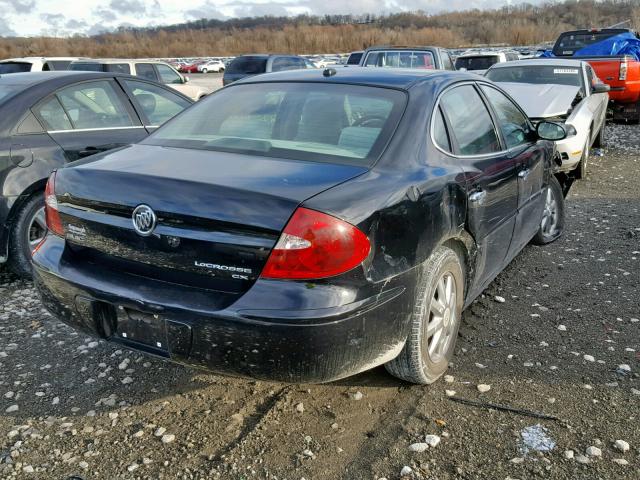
(149, 69)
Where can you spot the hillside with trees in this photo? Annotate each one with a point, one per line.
(515, 25)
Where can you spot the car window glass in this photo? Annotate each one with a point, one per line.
(440, 136)
(281, 63)
(29, 125)
(168, 75)
(298, 62)
(118, 68)
(315, 122)
(470, 121)
(146, 70)
(94, 105)
(514, 124)
(157, 103)
(53, 115)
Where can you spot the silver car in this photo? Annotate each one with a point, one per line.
(561, 90)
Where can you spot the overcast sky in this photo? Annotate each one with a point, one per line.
(68, 17)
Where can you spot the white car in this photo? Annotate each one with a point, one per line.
(150, 69)
(215, 65)
(35, 64)
(566, 91)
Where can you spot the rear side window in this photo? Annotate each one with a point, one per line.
(514, 124)
(570, 43)
(440, 135)
(94, 105)
(480, 62)
(305, 121)
(157, 103)
(248, 65)
(118, 68)
(29, 125)
(53, 115)
(14, 67)
(472, 127)
(168, 75)
(86, 67)
(146, 70)
(354, 58)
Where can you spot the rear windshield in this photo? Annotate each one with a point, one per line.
(304, 121)
(87, 67)
(568, 43)
(14, 67)
(248, 65)
(476, 63)
(540, 74)
(400, 59)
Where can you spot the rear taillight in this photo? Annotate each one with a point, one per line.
(315, 245)
(54, 223)
(623, 70)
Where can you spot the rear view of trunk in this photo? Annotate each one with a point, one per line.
(209, 221)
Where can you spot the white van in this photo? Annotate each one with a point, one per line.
(35, 64)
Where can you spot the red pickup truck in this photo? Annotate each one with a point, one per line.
(620, 72)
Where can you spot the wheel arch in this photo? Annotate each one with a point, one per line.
(466, 248)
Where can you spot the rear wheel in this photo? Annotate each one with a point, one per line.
(29, 228)
(204, 70)
(434, 321)
(552, 223)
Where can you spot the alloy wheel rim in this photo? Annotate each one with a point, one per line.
(443, 314)
(549, 223)
(37, 229)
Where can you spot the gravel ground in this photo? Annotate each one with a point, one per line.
(556, 333)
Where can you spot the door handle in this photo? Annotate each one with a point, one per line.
(523, 174)
(477, 197)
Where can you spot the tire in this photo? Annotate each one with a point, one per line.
(552, 223)
(204, 70)
(425, 357)
(584, 162)
(28, 228)
(600, 139)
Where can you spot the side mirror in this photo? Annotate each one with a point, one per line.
(551, 131)
(600, 88)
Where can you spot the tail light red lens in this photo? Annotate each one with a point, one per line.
(54, 223)
(315, 245)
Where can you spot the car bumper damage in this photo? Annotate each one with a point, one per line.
(291, 345)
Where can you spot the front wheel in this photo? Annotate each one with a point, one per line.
(552, 223)
(434, 322)
(28, 230)
(204, 70)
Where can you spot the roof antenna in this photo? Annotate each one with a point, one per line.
(329, 72)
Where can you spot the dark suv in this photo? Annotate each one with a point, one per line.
(248, 65)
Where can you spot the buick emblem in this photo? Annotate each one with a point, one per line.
(144, 220)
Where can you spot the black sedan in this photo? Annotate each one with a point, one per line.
(50, 118)
(303, 226)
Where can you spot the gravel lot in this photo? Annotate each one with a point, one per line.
(557, 333)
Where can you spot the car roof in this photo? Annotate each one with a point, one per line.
(401, 47)
(117, 60)
(559, 62)
(40, 59)
(28, 79)
(399, 78)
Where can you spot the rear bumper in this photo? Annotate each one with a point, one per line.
(247, 338)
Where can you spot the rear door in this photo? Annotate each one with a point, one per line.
(490, 173)
(529, 159)
(90, 117)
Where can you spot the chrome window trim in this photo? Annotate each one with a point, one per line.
(432, 123)
(96, 129)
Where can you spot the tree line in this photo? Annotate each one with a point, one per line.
(523, 24)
